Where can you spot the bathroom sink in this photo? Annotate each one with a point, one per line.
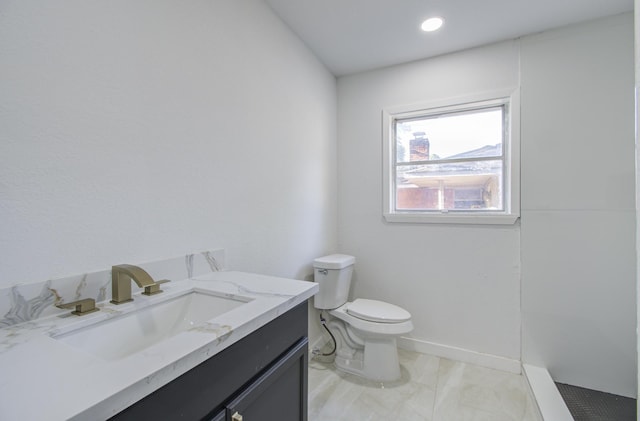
(135, 331)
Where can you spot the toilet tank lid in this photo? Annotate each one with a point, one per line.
(334, 261)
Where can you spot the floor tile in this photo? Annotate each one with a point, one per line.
(430, 389)
(468, 392)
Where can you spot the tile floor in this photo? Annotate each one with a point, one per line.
(431, 389)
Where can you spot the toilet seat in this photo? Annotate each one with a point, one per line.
(370, 327)
(377, 311)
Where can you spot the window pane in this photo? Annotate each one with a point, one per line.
(474, 185)
(469, 134)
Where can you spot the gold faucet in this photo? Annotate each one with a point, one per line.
(121, 277)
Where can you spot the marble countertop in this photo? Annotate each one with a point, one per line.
(45, 378)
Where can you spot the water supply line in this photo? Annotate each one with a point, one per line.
(323, 321)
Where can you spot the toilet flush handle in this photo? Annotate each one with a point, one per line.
(323, 271)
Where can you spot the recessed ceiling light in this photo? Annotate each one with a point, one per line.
(432, 24)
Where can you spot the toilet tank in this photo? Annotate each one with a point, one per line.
(333, 275)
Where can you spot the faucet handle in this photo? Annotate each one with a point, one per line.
(82, 307)
(154, 288)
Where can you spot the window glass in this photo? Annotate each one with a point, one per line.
(451, 149)
(456, 135)
(473, 185)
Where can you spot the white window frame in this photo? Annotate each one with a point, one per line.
(511, 146)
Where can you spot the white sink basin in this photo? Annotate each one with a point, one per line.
(133, 332)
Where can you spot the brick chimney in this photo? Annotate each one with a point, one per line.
(419, 147)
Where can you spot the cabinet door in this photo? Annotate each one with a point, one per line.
(220, 416)
(279, 394)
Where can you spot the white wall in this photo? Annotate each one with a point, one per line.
(133, 131)
(578, 211)
(460, 283)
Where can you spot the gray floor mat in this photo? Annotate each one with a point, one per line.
(591, 405)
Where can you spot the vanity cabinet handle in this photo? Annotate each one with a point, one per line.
(236, 417)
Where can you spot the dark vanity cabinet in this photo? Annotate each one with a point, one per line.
(262, 377)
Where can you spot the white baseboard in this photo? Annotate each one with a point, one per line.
(460, 354)
(551, 406)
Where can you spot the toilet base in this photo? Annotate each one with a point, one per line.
(377, 360)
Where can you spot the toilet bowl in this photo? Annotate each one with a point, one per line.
(365, 330)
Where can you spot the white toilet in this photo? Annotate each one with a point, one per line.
(365, 331)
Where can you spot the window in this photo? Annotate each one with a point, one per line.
(453, 162)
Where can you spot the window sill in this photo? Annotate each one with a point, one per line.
(451, 218)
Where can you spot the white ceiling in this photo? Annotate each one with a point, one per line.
(351, 36)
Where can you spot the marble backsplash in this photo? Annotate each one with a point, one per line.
(25, 302)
